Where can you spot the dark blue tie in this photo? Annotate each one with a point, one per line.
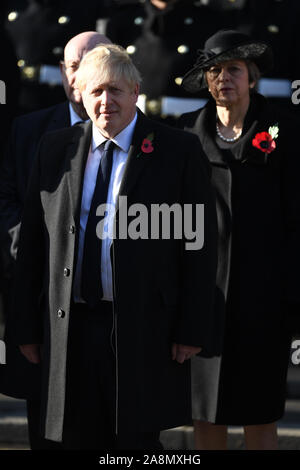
(91, 285)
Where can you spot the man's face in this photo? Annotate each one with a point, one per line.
(110, 105)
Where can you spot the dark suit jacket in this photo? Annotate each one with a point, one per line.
(26, 133)
(162, 293)
(18, 377)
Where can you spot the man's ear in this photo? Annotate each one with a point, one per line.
(62, 69)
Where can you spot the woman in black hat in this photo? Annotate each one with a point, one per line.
(255, 161)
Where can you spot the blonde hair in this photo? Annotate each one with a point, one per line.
(109, 62)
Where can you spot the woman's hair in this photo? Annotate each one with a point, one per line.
(253, 71)
(108, 62)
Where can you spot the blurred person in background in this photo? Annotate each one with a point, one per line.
(21, 379)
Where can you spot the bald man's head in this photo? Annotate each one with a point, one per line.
(82, 43)
(75, 49)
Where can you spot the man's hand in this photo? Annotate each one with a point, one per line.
(32, 352)
(181, 353)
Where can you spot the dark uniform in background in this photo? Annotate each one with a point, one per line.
(275, 22)
(9, 75)
(39, 32)
(163, 45)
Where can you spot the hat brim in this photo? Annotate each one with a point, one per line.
(260, 53)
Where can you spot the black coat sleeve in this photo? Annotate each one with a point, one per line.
(291, 206)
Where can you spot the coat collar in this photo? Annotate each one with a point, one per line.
(76, 154)
(257, 120)
(137, 161)
(205, 126)
(60, 117)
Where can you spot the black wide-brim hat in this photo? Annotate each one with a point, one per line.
(227, 45)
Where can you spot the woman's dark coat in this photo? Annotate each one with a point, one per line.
(258, 208)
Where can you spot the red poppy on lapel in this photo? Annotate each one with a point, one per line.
(264, 142)
(147, 146)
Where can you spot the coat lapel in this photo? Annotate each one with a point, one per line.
(77, 153)
(256, 121)
(137, 161)
(203, 128)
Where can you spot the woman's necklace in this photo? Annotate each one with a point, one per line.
(226, 139)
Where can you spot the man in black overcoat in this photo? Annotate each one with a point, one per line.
(111, 310)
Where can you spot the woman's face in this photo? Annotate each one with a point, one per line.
(228, 82)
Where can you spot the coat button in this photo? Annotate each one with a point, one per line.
(64, 20)
(61, 313)
(72, 229)
(12, 16)
(178, 80)
(188, 21)
(131, 49)
(273, 28)
(58, 50)
(66, 272)
(139, 20)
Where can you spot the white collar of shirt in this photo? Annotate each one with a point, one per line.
(74, 118)
(122, 140)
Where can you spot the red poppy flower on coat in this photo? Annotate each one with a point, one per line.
(147, 146)
(264, 142)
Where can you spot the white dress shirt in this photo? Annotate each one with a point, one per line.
(122, 143)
